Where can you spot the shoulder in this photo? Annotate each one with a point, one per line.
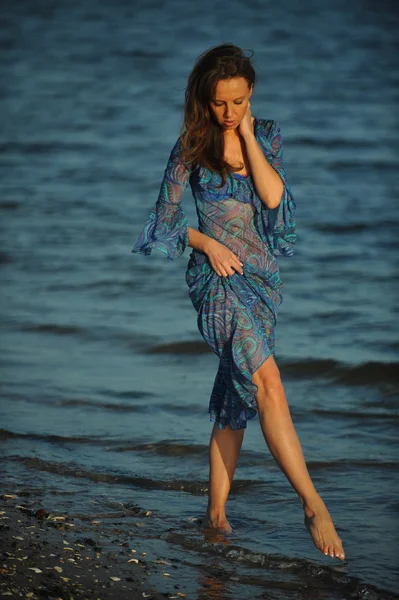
(178, 154)
(177, 151)
(267, 127)
(177, 147)
(269, 136)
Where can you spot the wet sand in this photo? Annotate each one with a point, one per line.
(45, 555)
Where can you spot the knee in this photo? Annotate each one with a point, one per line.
(270, 386)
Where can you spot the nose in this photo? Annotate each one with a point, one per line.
(228, 113)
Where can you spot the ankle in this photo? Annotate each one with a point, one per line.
(312, 504)
(216, 512)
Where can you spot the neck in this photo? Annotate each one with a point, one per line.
(231, 132)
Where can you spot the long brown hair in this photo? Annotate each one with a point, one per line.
(202, 137)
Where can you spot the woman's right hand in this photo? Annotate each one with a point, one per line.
(223, 261)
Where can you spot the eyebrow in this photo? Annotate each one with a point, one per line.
(240, 98)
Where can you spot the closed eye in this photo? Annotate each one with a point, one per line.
(234, 103)
(238, 101)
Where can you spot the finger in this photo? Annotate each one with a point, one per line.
(237, 269)
(220, 270)
(236, 263)
(238, 266)
(235, 257)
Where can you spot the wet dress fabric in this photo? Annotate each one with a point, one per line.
(236, 315)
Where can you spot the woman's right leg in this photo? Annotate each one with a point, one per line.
(224, 449)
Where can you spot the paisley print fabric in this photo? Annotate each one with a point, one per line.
(236, 315)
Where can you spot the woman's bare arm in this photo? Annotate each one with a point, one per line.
(223, 261)
(268, 183)
(199, 240)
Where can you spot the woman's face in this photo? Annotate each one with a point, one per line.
(231, 101)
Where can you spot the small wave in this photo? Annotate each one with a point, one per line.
(9, 205)
(166, 448)
(389, 402)
(309, 367)
(342, 228)
(363, 165)
(104, 284)
(370, 373)
(83, 402)
(162, 448)
(347, 464)
(184, 347)
(5, 434)
(41, 147)
(353, 227)
(182, 409)
(54, 328)
(111, 406)
(59, 329)
(5, 258)
(324, 142)
(195, 488)
(346, 414)
(336, 316)
(365, 373)
(323, 579)
(129, 395)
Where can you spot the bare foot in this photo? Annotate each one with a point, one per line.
(320, 526)
(216, 521)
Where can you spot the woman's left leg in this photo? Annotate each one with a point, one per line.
(282, 440)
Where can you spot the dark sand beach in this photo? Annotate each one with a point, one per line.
(60, 557)
(45, 555)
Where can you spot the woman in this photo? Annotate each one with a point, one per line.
(246, 215)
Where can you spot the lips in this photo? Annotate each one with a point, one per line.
(228, 123)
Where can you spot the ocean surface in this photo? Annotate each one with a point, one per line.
(105, 380)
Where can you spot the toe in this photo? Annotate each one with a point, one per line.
(339, 549)
(340, 553)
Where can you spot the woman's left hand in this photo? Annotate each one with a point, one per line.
(246, 127)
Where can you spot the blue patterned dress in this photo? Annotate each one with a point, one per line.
(236, 314)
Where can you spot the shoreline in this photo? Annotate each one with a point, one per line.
(112, 556)
(54, 556)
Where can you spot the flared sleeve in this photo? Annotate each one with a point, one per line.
(166, 228)
(276, 225)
